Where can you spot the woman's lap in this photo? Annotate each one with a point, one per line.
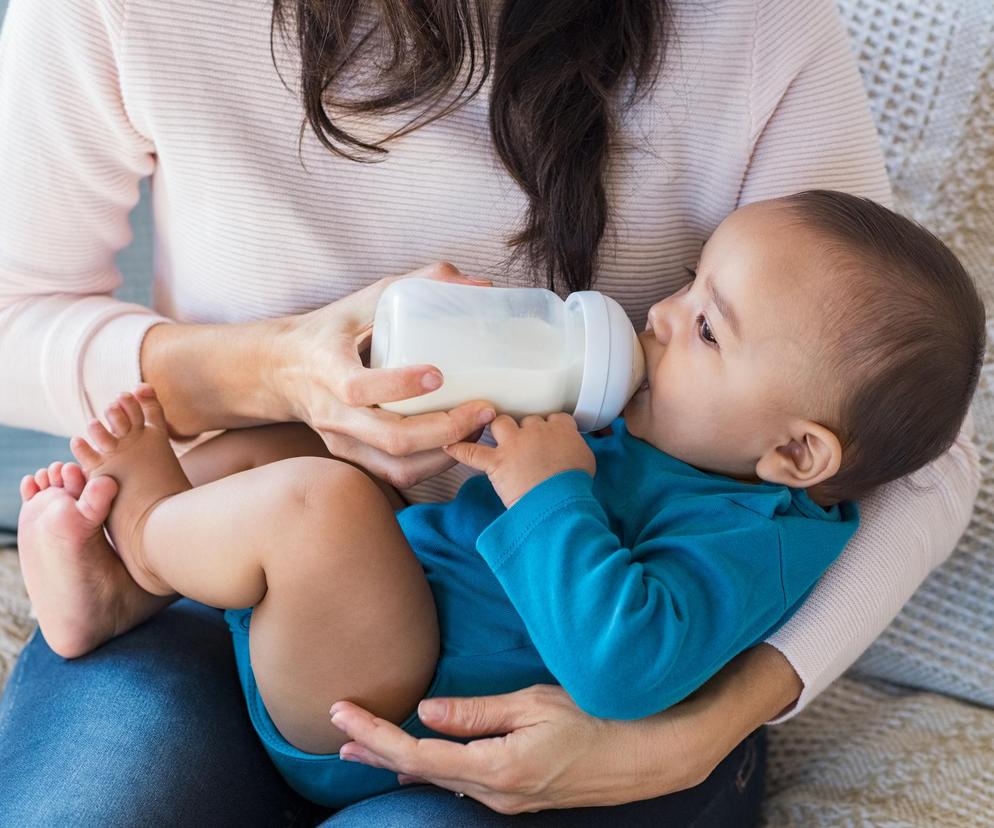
(729, 798)
(152, 729)
(148, 729)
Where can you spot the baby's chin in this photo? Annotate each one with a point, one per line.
(636, 414)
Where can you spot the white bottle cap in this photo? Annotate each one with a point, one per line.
(613, 361)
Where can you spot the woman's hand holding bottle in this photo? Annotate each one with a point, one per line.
(320, 374)
(309, 368)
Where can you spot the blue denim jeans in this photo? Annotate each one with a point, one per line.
(151, 729)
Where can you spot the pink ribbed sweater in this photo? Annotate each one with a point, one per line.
(758, 98)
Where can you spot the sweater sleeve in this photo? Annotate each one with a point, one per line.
(908, 527)
(70, 161)
(812, 128)
(629, 632)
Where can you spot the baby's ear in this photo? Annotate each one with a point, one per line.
(810, 455)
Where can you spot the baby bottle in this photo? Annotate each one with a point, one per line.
(524, 349)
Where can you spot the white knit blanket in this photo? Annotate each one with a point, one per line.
(869, 752)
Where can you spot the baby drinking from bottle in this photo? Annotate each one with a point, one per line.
(824, 346)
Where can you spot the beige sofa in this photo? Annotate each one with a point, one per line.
(906, 738)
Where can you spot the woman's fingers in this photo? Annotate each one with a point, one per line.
(401, 436)
(479, 715)
(400, 472)
(358, 386)
(383, 744)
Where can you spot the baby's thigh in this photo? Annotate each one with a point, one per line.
(348, 613)
(239, 449)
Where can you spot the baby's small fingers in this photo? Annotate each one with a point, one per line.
(474, 455)
(562, 419)
(41, 478)
(503, 427)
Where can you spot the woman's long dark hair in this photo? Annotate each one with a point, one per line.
(562, 71)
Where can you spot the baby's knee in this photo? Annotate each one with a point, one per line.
(320, 485)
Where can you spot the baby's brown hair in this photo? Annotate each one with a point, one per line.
(904, 349)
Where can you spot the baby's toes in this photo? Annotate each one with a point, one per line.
(28, 487)
(74, 479)
(41, 479)
(131, 408)
(120, 423)
(94, 502)
(83, 451)
(151, 406)
(100, 436)
(55, 473)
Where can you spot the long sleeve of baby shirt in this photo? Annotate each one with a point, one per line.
(639, 584)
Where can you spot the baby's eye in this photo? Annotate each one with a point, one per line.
(704, 330)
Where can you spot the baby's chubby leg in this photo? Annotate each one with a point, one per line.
(342, 608)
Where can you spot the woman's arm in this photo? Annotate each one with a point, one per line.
(904, 534)
(555, 756)
(70, 163)
(71, 159)
(308, 368)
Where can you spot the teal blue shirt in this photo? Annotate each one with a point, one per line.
(639, 584)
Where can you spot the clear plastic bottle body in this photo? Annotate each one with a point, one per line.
(523, 349)
(510, 346)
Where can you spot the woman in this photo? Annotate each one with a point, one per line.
(574, 159)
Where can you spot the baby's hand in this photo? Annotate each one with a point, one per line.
(540, 448)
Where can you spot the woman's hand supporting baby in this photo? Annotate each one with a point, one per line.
(309, 368)
(534, 749)
(526, 455)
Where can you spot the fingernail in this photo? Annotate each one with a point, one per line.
(431, 381)
(347, 757)
(486, 416)
(432, 709)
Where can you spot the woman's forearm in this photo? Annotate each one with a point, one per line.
(215, 376)
(905, 532)
(753, 688)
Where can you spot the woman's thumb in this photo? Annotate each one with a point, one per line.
(474, 716)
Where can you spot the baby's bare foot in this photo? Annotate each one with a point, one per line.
(79, 589)
(136, 453)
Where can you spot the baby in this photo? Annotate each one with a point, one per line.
(827, 346)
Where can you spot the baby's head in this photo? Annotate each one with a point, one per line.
(825, 343)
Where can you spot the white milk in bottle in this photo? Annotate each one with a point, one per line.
(524, 349)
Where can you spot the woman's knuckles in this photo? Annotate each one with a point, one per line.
(443, 270)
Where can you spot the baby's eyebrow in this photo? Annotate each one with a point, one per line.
(725, 309)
